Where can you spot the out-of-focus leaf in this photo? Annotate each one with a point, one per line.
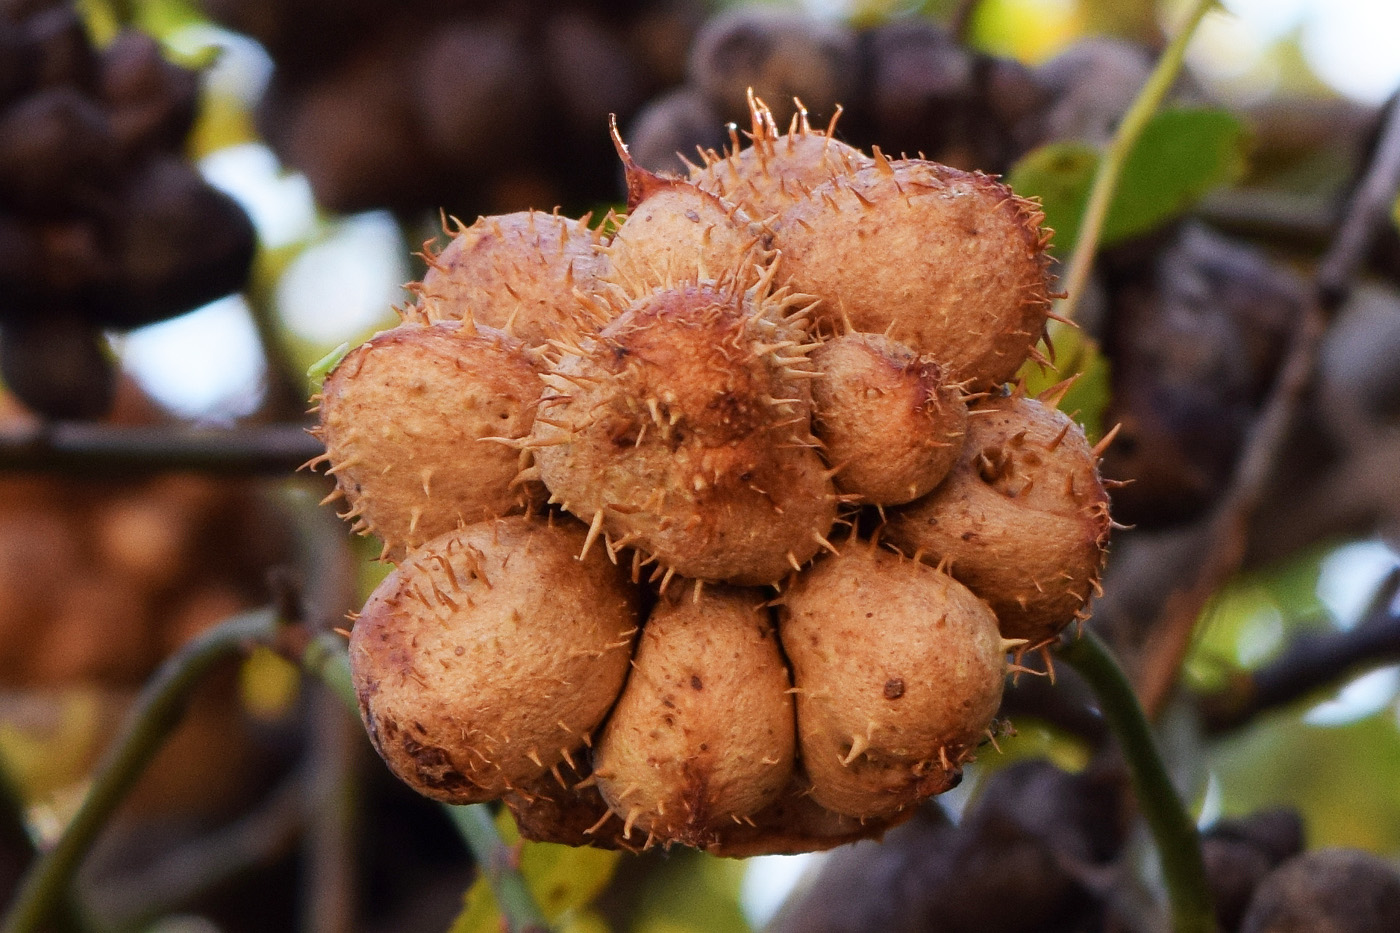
(1087, 399)
(564, 880)
(1180, 156)
(693, 893)
(1395, 213)
(1342, 778)
(1030, 30)
(1060, 175)
(268, 683)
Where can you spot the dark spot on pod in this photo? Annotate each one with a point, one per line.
(894, 688)
(695, 682)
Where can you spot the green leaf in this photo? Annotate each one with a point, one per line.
(563, 879)
(1088, 398)
(322, 368)
(1180, 156)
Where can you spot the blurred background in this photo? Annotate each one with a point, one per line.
(200, 199)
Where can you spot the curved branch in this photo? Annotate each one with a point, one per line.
(157, 711)
(1173, 830)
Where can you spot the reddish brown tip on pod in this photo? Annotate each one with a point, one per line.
(490, 654)
(413, 421)
(898, 670)
(1022, 520)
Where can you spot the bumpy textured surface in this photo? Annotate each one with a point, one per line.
(1022, 520)
(778, 170)
(517, 272)
(898, 670)
(950, 263)
(682, 429)
(780, 344)
(676, 231)
(490, 655)
(703, 735)
(411, 420)
(885, 418)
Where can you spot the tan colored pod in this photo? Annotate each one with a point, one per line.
(676, 231)
(1022, 520)
(777, 170)
(564, 807)
(413, 422)
(949, 263)
(885, 417)
(703, 735)
(515, 272)
(796, 823)
(898, 670)
(490, 654)
(682, 430)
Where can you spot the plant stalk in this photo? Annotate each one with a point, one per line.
(157, 711)
(1173, 830)
(1149, 98)
(497, 863)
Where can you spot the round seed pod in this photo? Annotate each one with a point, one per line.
(778, 170)
(950, 263)
(796, 823)
(669, 129)
(681, 429)
(1327, 891)
(886, 418)
(676, 231)
(58, 365)
(515, 272)
(898, 670)
(564, 807)
(702, 736)
(414, 421)
(781, 53)
(490, 654)
(1022, 520)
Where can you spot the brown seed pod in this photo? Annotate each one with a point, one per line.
(490, 654)
(681, 429)
(950, 263)
(886, 418)
(564, 807)
(515, 272)
(898, 670)
(410, 418)
(703, 735)
(778, 170)
(796, 823)
(1022, 520)
(676, 231)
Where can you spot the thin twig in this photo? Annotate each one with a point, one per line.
(1312, 661)
(73, 447)
(1081, 261)
(497, 863)
(1174, 832)
(156, 713)
(1229, 522)
(325, 657)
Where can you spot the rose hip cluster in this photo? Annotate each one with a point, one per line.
(715, 524)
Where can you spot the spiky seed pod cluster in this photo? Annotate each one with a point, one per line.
(659, 430)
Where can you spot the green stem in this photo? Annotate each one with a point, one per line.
(1081, 261)
(325, 657)
(497, 862)
(1173, 830)
(158, 709)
